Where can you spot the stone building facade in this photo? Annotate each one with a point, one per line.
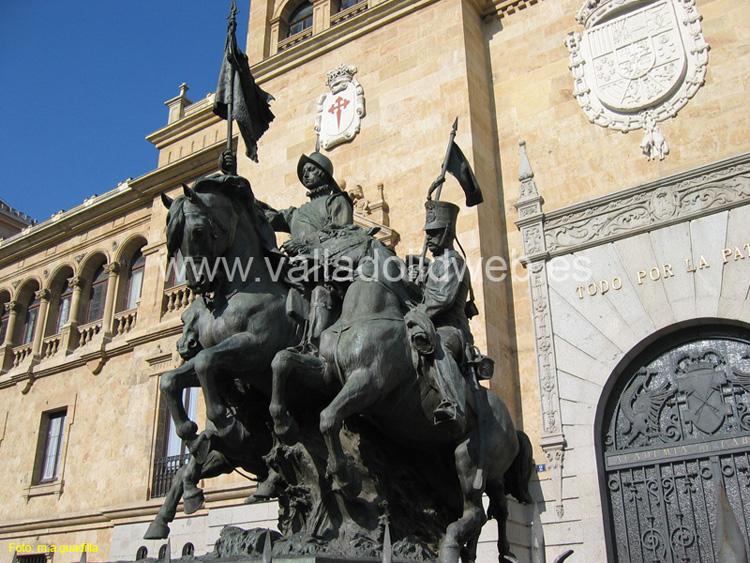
(611, 284)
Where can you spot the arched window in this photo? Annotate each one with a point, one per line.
(4, 323)
(63, 312)
(162, 552)
(97, 295)
(32, 313)
(301, 19)
(142, 553)
(135, 280)
(188, 549)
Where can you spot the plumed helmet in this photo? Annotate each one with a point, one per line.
(440, 214)
(322, 163)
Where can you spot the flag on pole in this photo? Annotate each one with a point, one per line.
(237, 90)
(460, 168)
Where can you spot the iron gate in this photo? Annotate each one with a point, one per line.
(677, 471)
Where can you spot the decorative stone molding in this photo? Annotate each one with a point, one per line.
(629, 75)
(13, 306)
(700, 192)
(75, 282)
(43, 294)
(531, 223)
(113, 268)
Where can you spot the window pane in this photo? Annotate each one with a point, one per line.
(96, 305)
(64, 314)
(301, 19)
(28, 331)
(134, 289)
(174, 444)
(3, 327)
(52, 449)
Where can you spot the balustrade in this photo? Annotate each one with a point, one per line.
(89, 331)
(51, 345)
(125, 321)
(177, 298)
(20, 353)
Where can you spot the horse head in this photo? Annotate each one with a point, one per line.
(213, 225)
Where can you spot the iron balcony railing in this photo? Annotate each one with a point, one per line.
(164, 471)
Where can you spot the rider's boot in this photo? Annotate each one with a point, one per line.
(321, 314)
(266, 490)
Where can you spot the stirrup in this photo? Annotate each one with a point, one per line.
(446, 411)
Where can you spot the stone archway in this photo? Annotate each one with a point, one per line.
(673, 452)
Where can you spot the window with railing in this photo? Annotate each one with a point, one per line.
(301, 19)
(171, 451)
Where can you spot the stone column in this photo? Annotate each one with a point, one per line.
(69, 332)
(321, 15)
(113, 269)
(273, 46)
(531, 224)
(6, 351)
(41, 321)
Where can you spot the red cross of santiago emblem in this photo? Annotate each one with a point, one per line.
(337, 107)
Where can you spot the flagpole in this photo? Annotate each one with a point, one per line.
(441, 178)
(233, 11)
(437, 185)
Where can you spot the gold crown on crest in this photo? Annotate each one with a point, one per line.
(594, 11)
(341, 72)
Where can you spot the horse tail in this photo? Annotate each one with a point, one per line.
(519, 473)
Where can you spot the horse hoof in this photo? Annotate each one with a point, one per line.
(193, 503)
(156, 531)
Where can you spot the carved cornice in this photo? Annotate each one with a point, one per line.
(702, 191)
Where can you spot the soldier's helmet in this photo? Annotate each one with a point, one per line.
(440, 215)
(322, 163)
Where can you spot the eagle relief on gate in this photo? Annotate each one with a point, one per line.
(637, 63)
(340, 111)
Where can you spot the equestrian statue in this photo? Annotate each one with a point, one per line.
(342, 377)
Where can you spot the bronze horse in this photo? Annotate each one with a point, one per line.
(231, 332)
(367, 351)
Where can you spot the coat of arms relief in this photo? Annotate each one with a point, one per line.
(340, 111)
(637, 63)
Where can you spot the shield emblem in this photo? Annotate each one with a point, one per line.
(340, 111)
(706, 409)
(638, 58)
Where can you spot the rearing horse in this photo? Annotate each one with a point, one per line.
(231, 260)
(368, 351)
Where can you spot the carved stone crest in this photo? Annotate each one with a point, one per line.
(340, 111)
(637, 64)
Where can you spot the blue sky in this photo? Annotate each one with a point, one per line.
(84, 81)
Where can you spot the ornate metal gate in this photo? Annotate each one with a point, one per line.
(676, 461)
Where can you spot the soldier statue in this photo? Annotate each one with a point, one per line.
(329, 208)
